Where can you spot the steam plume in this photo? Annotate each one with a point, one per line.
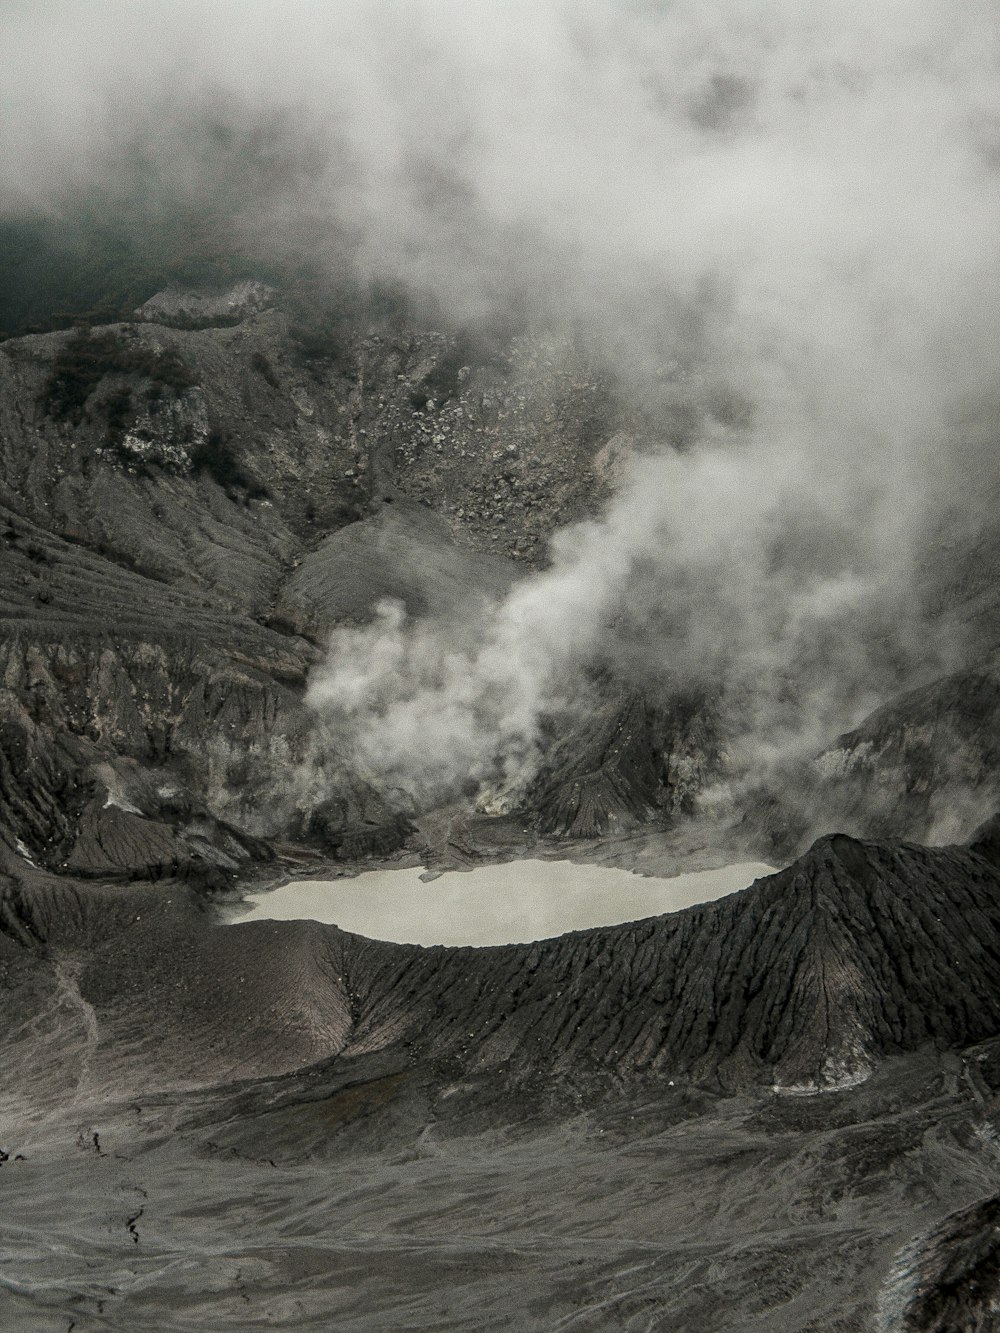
(798, 205)
(821, 190)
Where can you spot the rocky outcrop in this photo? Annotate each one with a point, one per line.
(165, 731)
(185, 512)
(185, 307)
(623, 761)
(807, 979)
(950, 1279)
(924, 766)
(606, 774)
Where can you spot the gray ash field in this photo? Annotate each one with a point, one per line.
(433, 443)
(776, 1111)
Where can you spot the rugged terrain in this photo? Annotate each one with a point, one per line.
(777, 1111)
(184, 513)
(190, 501)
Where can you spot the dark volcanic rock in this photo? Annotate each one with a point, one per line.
(351, 835)
(622, 762)
(615, 1129)
(811, 976)
(186, 511)
(924, 764)
(606, 775)
(950, 1279)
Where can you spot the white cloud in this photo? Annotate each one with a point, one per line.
(819, 183)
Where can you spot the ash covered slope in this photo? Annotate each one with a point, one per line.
(184, 513)
(414, 1127)
(813, 976)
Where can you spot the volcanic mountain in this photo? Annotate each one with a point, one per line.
(774, 1111)
(816, 1056)
(186, 512)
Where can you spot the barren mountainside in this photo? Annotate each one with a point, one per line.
(684, 1120)
(186, 513)
(522, 447)
(811, 1062)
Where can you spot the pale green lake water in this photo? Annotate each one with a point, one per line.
(510, 903)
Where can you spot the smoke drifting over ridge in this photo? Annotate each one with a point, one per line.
(793, 209)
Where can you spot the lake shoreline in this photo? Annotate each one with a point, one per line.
(510, 902)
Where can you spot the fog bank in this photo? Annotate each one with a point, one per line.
(783, 219)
